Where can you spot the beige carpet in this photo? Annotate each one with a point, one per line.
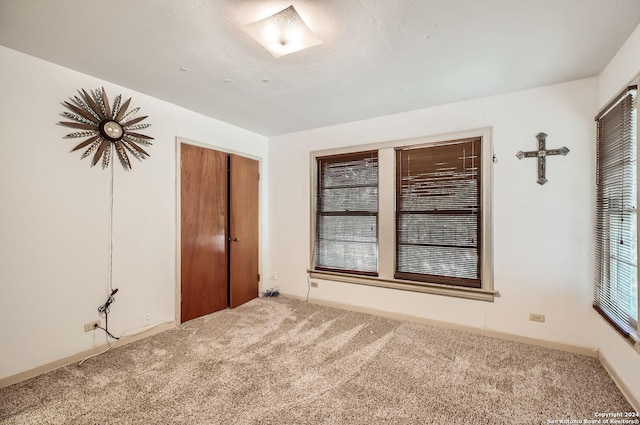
(282, 361)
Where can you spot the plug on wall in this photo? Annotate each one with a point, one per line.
(91, 326)
(536, 317)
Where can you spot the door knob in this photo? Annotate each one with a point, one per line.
(234, 239)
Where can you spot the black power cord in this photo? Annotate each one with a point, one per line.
(272, 292)
(104, 309)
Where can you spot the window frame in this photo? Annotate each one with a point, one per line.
(604, 269)
(387, 214)
(336, 159)
(434, 278)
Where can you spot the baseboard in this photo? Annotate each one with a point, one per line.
(624, 389)
(127, 339)
(591, 352)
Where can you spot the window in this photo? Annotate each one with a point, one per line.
(410, 214)
(347, 213)
(438, 213)
(616, 276)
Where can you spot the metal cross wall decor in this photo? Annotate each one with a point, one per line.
(542, 154)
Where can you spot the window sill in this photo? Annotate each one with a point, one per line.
(406, 285)
(633, 340)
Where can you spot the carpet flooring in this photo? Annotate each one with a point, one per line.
(283, 361)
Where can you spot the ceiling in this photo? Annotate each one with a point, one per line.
(378, 57)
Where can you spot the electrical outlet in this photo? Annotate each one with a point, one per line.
(274, 276)
(314, 284)
(88, 327)
(536, 317)
(146, 319)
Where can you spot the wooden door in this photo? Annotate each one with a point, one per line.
(243, 230)
(204, 205)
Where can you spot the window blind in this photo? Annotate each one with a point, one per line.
(616, 275)
(347, 213)
(438, 213)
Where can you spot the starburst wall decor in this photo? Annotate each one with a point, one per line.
(106, 128)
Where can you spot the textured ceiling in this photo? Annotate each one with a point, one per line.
(378, 57)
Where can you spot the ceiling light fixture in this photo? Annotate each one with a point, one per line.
(282, 33)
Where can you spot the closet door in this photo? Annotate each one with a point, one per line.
(243, 230)
(204, 205)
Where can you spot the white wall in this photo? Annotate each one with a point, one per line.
(54, 216)
(542, 234)
(623, 68)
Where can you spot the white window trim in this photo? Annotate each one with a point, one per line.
(386, 218)
(634, 334)
(635, 330)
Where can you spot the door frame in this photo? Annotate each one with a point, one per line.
(178, 193)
